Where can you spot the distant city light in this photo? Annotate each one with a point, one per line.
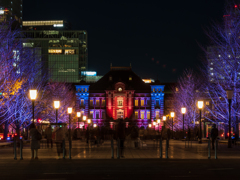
(58, 25)
(1, 11)
(89, 73)
(148, 80)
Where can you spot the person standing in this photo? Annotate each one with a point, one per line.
(214, 134)
(35, 137)
(60, 136)
(48, 133)
(121, 136)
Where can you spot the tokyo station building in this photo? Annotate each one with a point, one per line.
(121, 94)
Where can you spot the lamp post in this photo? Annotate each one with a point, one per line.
(200, 106)
(164, 119)
(78, 115)
(84, 118)
(33, 96)
(56, 106)
(158, 121)
(154, 124)
(70, 143)
(229, 96)
(183, 110)
(172, 116)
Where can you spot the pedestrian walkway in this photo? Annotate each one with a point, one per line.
(147, 150)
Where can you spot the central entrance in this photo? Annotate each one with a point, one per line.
(120, 114)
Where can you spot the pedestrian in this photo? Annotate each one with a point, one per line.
(48, 135)
(121, 136)
(60, 136)
(35, 137)
(214, 134)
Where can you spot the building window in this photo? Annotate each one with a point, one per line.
(55, 51)
(97, 102)
(91, 115)
(136, 114)
(82, 102)
(153, 90)
(142, 114)
(120, 103)
(157, 114)
(97, 115)
(136, 102)
(91, 102)
(148, 115)
(85, 89)
(103, 115)
(120, 114)
(103, 102)
(142, 102)
(207, 103)
(69, 51)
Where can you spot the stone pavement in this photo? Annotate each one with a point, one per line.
(147, 150)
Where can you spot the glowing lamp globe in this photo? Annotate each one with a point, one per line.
(95, 125)
(89, 121)
(154, 123)
(84, 118)
(172, 114)
(158, 121)
(56, 104)
(150, 125)
(200, 104)
(69, 110)
(33, 94)
(164, 118)
(78, 114)
(183, 110)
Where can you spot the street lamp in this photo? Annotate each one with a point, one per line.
(150, 125)
(94, 125)
(164, 119)
(33, 96)
(70, 144)
(158, 121)
(183, 110)
(229, 96)
(200, 106)
(84, 118)
(56, 105)
(78, 115)
(172, 114)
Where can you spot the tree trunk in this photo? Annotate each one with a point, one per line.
(5, 130)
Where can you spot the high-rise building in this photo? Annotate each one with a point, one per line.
(14, 7)
(62, 53)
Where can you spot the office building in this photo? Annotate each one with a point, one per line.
(11, 8)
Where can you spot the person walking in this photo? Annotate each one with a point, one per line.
(35, 137)
(60, 136)
(121, 136)
(48, 133)
(214, 134)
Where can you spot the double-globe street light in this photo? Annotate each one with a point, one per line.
(229, 96)
(183, 111)
(69, 137)
(200, 106)
(56, 106)
(33, 96)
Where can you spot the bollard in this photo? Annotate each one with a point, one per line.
(216, 148)
(21, 148)
(63, 147)
(70, 148)
(112, 147)
(118, 144)
(167, 149)
(160, 147)
(209, 149)
(15, 149)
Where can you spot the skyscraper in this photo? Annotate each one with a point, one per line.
(14, 7)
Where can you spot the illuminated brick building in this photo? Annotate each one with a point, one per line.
(121, 94)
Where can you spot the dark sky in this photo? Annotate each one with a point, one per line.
(159, 38)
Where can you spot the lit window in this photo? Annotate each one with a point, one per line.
(136, 114)
(136, 102)
(69, 51)
(207, 102)
(97, 102)
(85, 89)
(120, 103)
(91, 102)
(142, 114)
(157, 114)
(153, 90)
(148, 115)
(103, 102)
(55, 51)
(82, 102)
(142, 102)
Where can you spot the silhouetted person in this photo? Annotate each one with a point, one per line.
(189, 134)
(60, 136)
(214, 134)
(48, 133)
(121, 135)
(35, 137)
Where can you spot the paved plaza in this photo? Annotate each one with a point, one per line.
(146, 150)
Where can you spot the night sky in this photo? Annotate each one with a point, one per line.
(159, 38)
